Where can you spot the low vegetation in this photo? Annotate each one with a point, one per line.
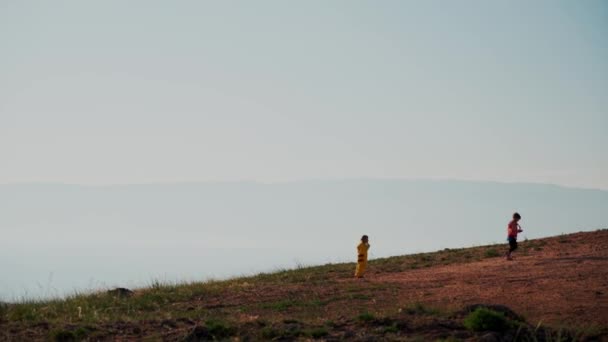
(483, 319)
(304, 303)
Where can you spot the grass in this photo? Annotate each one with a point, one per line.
(491, 253)
(269, 333)
(420, 309)
(102, 307)
(219, 330)
(483, 319)
(319, 332)
(563, 238)
(444, 257)
(309, 296)
(280, 305)
(293, 330)
(366, 317)
(61, 335)
(391, 329)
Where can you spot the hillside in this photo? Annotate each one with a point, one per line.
(555, 289)
(179, 230)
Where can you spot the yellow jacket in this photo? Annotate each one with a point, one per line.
(362, 252)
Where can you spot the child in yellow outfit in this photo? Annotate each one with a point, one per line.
(362, 256)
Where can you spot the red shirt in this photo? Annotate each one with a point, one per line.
(512, 229)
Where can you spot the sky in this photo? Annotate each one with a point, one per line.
(115, 92)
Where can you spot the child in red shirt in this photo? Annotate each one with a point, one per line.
(512, 229)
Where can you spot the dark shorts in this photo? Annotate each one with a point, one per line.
(512, 243)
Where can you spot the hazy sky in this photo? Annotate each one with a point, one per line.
(147, 91)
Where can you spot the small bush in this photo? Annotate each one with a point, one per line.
(491, 253)
(3, 311)
(219, 330)
(393, 328)
(420, 309)
(366, 317)
(281, 305)
(270, 333)
(81, 333)
(63, 336)
(290, 321)
(330, 323)
(450, 339)
(483, 319)
(319, 332)
(360, 296)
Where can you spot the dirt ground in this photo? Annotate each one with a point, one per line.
(554, 283)
(561, 281)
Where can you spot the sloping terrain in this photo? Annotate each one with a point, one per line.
(559, 281)
(555, 289)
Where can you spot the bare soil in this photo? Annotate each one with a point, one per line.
(559, 285)
(561, 281)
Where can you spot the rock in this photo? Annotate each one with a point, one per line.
(402, 326)
(508, 337)
(461, 335)
(349, 334)
(489, 337)
(450, 324)
(42, 325)
(121, 292)
(186, 321)
(168, 324)
(199, 333)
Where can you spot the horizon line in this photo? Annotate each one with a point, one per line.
(302, 180)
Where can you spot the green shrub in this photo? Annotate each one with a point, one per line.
(281, 305)
(219, 330)
(330, 323)
(420, 309)
(491, 253)
(81, 333)
(62, 336)
(366, 317)
(452, 339)
(360, 296)
(319, 332)
(483, 319)
(3, 311)
(270, 333)
(393, 328)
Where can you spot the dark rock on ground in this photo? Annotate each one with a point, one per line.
(168, 323)
(121, 292)
(186, 321)
(490, 337)
(197, 334)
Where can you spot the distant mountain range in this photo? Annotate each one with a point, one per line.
(422, 214)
